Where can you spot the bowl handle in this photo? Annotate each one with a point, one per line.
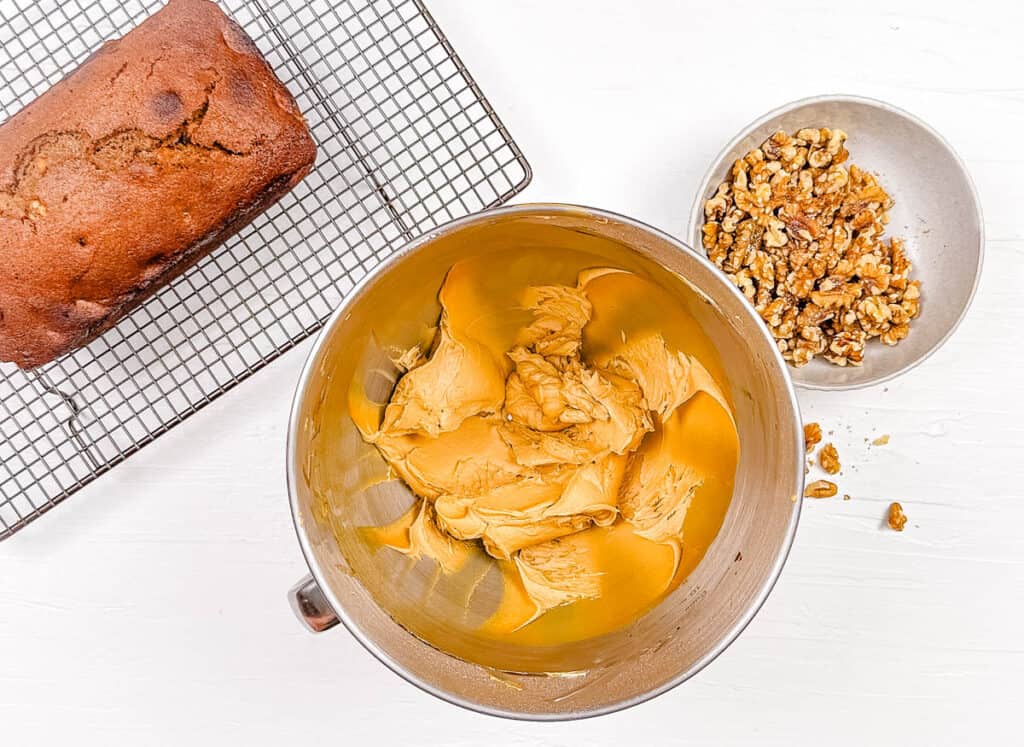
(311, 606)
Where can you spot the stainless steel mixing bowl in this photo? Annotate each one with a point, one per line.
(338, 483)
(937, 211)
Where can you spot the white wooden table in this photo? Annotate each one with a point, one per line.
(150, 609)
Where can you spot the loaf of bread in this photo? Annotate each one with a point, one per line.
(157, 148)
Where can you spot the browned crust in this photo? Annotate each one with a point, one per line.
(137, 164)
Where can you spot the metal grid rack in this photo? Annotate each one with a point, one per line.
(406, 141)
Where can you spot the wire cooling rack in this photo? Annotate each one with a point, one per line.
(406, 141)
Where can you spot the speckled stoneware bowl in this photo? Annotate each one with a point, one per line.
(937, 212)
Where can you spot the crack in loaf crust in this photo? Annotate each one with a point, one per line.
(156, 149)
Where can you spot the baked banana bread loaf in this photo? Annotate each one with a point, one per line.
(157, 148)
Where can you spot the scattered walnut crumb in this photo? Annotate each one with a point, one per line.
(812, 436)
(828, 457)
(897, 519)
(800, 234)
(846, 496)
(821, 489)
(881, 440)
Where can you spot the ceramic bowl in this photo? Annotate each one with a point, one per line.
(937, 213)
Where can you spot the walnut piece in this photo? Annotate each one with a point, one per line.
(897, 519)
(828, 458)
(812, 436)
(801, 234)
(821, 489)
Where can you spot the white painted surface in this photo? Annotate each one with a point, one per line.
(150, 608)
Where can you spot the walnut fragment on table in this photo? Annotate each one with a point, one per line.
(828, 458)
(897, 519)
(821, 489)
(812, 436)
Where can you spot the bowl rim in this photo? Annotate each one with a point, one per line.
(293, 476)
(697, 212)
